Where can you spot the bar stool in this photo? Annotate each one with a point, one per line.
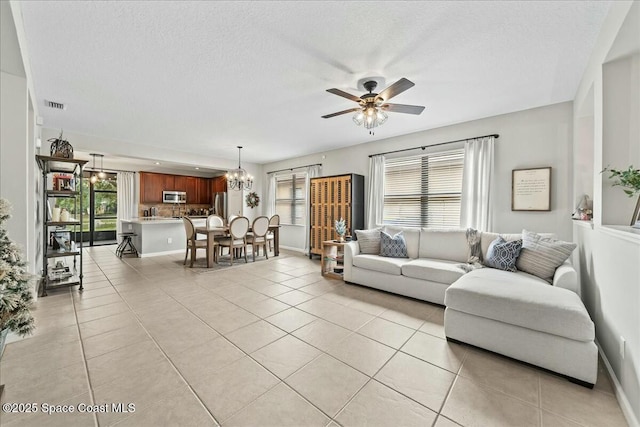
(126, 247)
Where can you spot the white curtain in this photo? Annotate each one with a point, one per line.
(270, 199)
(475, 209)
(375, 204)
(312, 172)
(126, 198)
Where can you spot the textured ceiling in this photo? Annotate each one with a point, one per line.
(204, 77)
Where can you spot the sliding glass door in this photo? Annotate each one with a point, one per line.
(103, 208)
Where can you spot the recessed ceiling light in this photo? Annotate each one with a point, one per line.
(157, 163)
(197, 168)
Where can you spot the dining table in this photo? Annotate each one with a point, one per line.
(212, 232)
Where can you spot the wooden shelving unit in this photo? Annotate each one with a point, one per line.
(332, 259)
(52, 277)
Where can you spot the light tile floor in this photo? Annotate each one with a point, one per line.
(268, 343)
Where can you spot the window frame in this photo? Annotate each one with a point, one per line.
(421, 200)
(290, 218)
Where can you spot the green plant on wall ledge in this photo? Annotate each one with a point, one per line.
(629, 180)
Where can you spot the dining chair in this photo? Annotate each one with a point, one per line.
(215, 221)
(259, 237)
(237, 239)
(274, 220)
(232, 217)
(193, 244)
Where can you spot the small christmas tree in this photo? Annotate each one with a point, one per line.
(15, 292)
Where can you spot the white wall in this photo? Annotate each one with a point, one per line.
(13, 153)
(621, 121)
(608, 259)
(531, 138)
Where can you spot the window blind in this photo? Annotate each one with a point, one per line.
(291, 200)
(424, 190)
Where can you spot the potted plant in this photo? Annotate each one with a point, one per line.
(15, 290)
(629, 180)
(341, 228)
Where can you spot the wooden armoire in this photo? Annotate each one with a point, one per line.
(332, 198)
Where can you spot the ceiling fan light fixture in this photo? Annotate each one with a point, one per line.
(358, 118)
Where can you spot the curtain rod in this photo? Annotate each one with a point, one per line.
(297, 167)
(495, 135)
(106, 170)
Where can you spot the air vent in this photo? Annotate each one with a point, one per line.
(53, 104)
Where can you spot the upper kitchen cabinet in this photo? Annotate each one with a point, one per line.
(152, 185)
(180, 183)
(192, 190)
(219, 185)
(204, 191)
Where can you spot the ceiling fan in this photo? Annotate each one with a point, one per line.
(372, 108)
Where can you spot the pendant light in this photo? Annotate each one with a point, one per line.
(102, 175)
(94, 177)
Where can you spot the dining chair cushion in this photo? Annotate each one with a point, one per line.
(227, 242)
(256, 239)
(197, 243)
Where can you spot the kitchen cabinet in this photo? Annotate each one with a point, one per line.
(204, 191)
(152, 185)
(180, 183)
(219, 185)
(192, 190)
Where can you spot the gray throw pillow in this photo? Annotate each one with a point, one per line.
(502, 254)
(541, 256)
(393, 247)
(369, 241)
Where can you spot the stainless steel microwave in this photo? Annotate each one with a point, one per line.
(174, 197)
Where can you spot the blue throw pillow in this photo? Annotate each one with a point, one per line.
(502, 254)
(393, 247)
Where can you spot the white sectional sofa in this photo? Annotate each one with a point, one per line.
(515, 314)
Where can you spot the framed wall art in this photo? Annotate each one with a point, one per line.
(531, 189)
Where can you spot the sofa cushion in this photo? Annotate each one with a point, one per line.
(523, 300)
(369, 241)
(503, 255)
(379, 263)
(450, 245)
(393, 246)
(434, 270)
(487, 238)
(411, 237)
(541, 256)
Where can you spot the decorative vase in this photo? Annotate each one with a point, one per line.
(64, 215)
(341, 238)
(55, 215)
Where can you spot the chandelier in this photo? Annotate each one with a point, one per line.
(239, 179)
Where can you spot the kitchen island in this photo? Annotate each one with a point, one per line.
(159, 235)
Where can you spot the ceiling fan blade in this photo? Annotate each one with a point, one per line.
(344, 94)
(396, 89)
(351, 110)
(403, 108)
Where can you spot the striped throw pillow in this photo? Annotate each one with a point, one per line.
(541, 256)
(369, 241)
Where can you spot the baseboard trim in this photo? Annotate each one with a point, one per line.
(289, 248)
(620, 394)
(152, 254)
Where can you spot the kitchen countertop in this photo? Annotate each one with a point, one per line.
(159, 220)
